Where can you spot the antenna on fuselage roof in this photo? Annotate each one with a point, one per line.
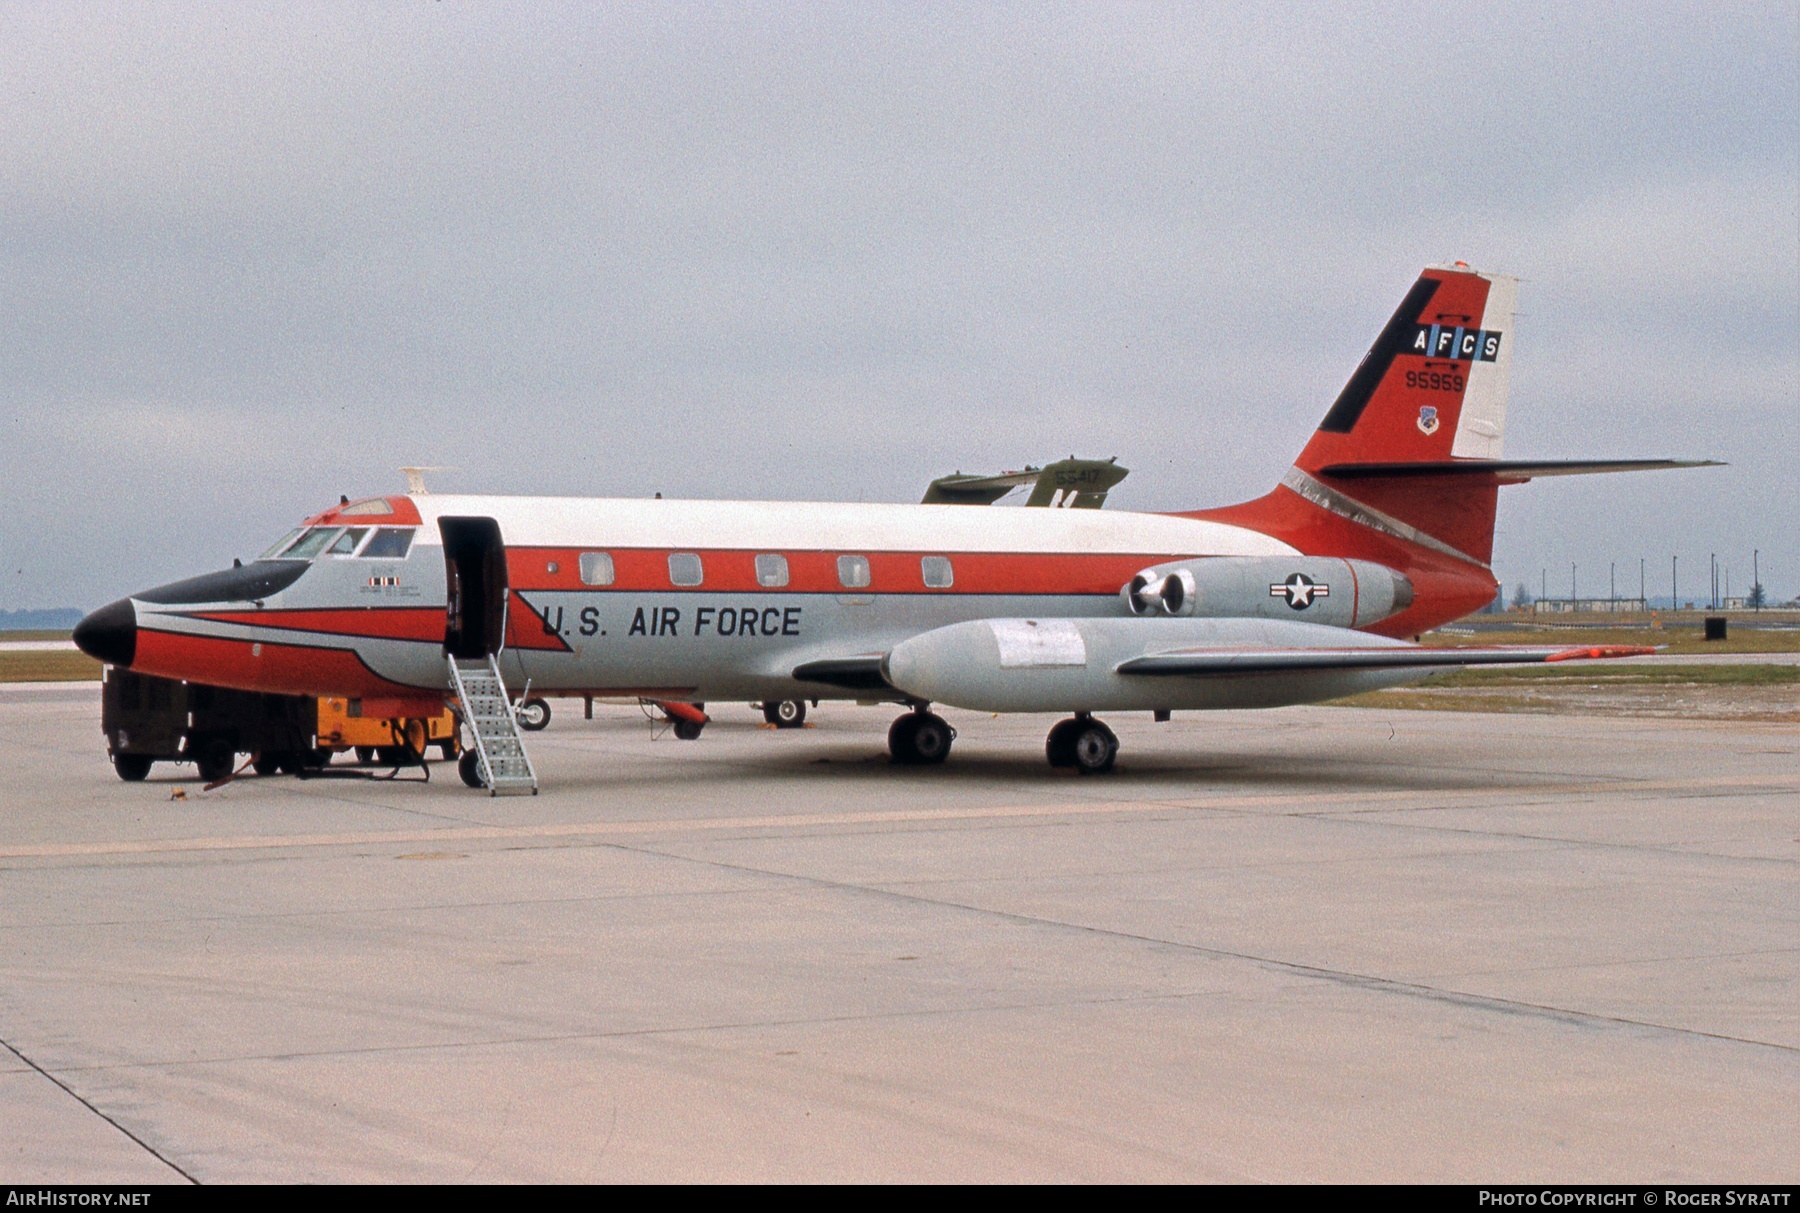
(415, 479)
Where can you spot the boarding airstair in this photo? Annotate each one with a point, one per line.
(505, 767)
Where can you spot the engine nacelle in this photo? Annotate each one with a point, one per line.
(1306, 589)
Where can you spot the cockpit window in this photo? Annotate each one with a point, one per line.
(280, 545)
(390, 542)
(374, 505)
(311, 543)
(346, 544)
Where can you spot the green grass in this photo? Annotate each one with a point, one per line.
(55, 666)
(37, 634)
(1670, 639)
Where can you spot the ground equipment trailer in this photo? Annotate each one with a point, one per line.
(148, 720)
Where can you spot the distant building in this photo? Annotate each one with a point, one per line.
(1573, 606)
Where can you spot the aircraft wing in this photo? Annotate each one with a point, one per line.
(1078, 483)
(1220, 663)
(861, 673)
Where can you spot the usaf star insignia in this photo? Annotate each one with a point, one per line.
(1299, 590)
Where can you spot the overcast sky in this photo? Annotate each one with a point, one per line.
(254, 258)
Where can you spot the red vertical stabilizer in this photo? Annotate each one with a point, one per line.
(1430, 391)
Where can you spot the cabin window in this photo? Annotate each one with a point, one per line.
(390, 543)
(853, 572)
(373, 505)
(596, 568)
(311, 543)
(346, 544)
(937, 572)
(684, 569)
(771, 570)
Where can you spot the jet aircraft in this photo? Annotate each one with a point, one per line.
(1381, 530)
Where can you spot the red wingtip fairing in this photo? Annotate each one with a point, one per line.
(1600, 651)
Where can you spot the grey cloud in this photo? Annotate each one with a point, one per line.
(254, 257)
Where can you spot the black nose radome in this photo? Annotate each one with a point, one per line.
(110, 633)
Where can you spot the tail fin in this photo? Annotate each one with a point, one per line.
(1431, 390)
(1406, 468)
(1433, 386)
(1426, 406)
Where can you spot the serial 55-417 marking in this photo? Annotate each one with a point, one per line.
(1435, 381)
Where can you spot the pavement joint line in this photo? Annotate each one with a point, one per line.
(425, 908)
(1243, 805)
(1366, 981)
(629, 1033)
(73, 1094)
(1570, 967)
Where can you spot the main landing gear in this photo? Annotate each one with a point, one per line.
(1083, 743)
(920, 739)
(786, 713)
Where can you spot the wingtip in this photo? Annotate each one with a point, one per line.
(1598, 652)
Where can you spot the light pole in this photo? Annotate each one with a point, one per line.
(1674, 582)
(1756, 577)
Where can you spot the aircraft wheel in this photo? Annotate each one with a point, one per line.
(365, 753)
(215, 760)
(689, 730)
(920, 739)
(265, 764)
(315, 758)
(469, 767)
(533, 714)
(788, 714)
(1059, 747)
(1095, 748)
(132, 767)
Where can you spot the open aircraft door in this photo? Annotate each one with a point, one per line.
(475, 576)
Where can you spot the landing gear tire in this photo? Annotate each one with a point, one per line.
(469, 767)
(265, 764)
(689, 730)
(920, 739)
(215, 761)
(788, 714)
(1083, 743)
(533, 714)
(132, 767)
(315, 759)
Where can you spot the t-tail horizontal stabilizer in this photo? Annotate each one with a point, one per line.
(1509, 471)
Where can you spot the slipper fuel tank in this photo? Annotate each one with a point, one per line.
(1073, 665)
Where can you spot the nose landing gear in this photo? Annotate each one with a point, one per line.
(920, 739)
(1084, 744)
